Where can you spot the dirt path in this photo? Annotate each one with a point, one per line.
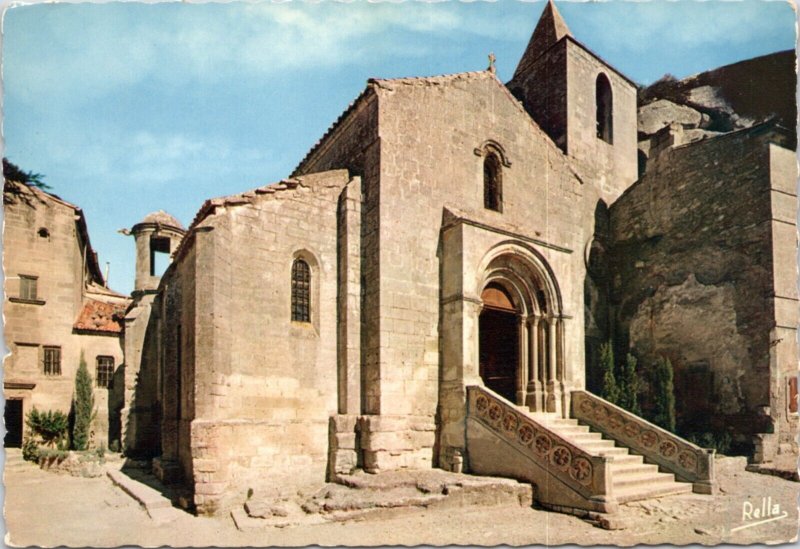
(46, 509)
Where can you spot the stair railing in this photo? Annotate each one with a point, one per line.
(687, 461)
(589, 475)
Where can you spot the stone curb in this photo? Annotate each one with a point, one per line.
(149, 498)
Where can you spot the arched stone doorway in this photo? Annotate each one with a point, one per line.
(521, 330)
(498, 328)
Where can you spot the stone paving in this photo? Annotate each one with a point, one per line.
(48, 509)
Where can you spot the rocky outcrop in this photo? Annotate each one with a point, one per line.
(735, 96)
(676, 112)
(661, 113)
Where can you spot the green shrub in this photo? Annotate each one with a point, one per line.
(664, 395)
(53, 454)
(30, 449)
(50, 426)
(84, 407)
(721, 442)
(114, 446)
(610, 390)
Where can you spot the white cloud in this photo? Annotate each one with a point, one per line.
(151, 161)
(85, 51)
(90, 50)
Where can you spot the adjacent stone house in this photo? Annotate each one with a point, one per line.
(57, 308)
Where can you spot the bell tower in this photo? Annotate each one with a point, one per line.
(587, 107)
(156, 236)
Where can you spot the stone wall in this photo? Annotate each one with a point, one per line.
(264, 386)
(558, 90)
(42, 238)
(694, 274)
(354, 144)
(542, 89)
(612, 166)
(140, 415)
(783, 337)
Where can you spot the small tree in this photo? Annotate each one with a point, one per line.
(84, 407)
(629, 386)
(664, 395)
(49, 426)
(12, 172)
(610, 390)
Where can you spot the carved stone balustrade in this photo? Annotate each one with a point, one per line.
(687, 461)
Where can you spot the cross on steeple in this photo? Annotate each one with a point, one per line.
(492, 59)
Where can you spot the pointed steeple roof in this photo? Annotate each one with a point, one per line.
(550, 29)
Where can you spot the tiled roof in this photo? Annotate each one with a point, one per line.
(101, 316)
(436, 79)
(210, 206)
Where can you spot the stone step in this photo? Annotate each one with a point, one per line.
(611, 451)
(581, 437)
(627, 459)
(384, 495)
(646, 480)
(567, 428)
(599, 443)
(154, 502)
(638, 493)
(619, 469)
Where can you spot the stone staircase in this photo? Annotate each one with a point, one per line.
(14, 461)
(632, 479)
(594, 460)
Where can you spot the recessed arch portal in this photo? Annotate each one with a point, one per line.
(499, 341)
(520, 327)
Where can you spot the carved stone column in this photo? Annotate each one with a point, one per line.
(553, 400)
(522, 371)
(565, 378)
(535, 394)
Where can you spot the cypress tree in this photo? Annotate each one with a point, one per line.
(84, 407)
(629, 386)
(610, 390)
(664, 410)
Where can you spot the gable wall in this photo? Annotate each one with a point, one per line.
(428, 134)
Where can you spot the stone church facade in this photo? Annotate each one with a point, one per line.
(429, 287)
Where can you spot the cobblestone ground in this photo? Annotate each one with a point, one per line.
(47, 509)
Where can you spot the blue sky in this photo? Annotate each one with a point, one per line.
(129, 108)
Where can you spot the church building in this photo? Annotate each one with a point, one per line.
(431, 285)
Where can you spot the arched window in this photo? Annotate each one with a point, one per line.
(605, 109)
(492, 183)
(301, 291)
